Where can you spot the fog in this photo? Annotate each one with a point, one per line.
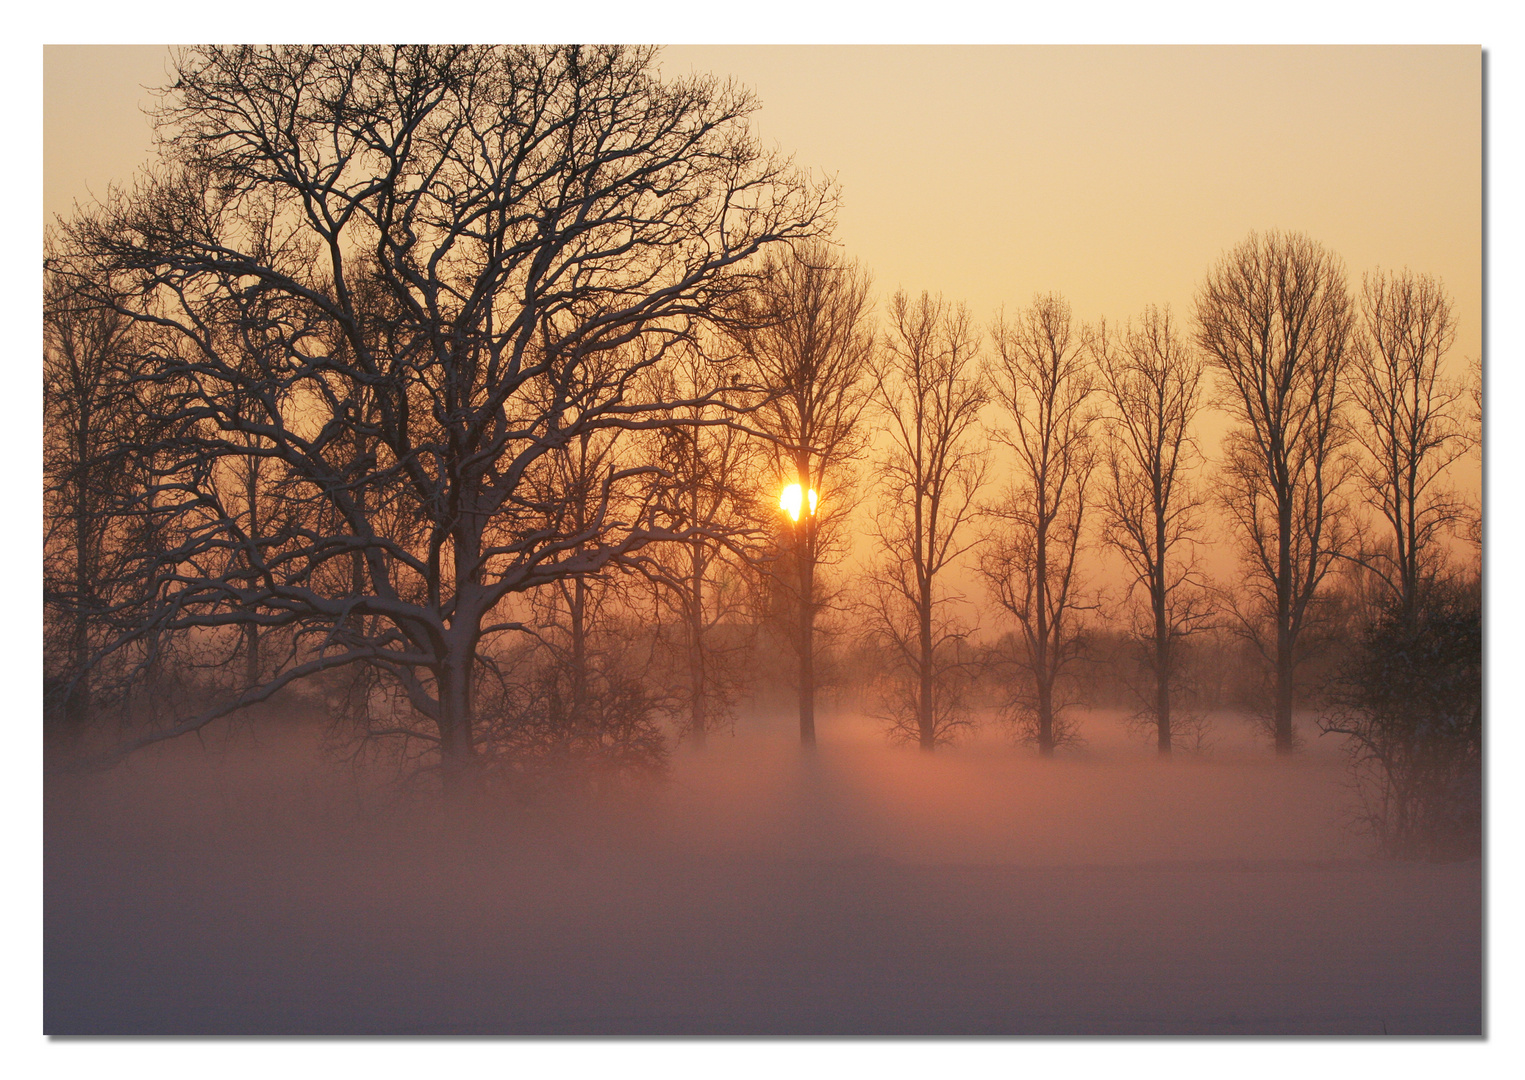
(506, 497)
(254, 884)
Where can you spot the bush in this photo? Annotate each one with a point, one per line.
(1410, 701)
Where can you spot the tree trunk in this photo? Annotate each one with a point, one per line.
(1162, 657)
(357, 558)
(251, 631)
(251, 655)
(577, 617)
(699, 719)
(1162, 688)
(455, 724)
(1045, 680)
(1408, 540)
(1284, 643)
(1045, 715)
(1284, 691)
(806, 630)
(925, 716)
(456, 674)
(77, 705)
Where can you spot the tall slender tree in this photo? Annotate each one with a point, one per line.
(87, 407)
(930, 390)
(1275, 319)
(1407, 426)
(1043, 381)
(808, 342)
(705, 583)
(1151, 507)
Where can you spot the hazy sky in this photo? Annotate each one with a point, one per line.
(1117, 175)
(1114, 175)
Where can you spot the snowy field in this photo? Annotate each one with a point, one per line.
(873, 891)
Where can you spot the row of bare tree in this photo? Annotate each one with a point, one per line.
(460, 382)
(1344, 422)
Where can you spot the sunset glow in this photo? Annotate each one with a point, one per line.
(407, 568)
(789, 502)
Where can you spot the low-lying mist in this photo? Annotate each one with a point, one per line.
(252, 884)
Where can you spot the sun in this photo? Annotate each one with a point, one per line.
(790, 501)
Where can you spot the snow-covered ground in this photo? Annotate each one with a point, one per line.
(870, 891)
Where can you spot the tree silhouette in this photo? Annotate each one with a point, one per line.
(89, 407)
(1410, 431)
(707, 583)
(1042, 379)
(930, 390)
(1409, 701)
(1151, 506)
(808, 344)
(1275, 319)
(503, 239)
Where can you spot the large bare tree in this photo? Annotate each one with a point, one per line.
(1408, 426)
(504, 239)
(1043, 380)
(808, 347)
(930, 390)
(1151, 505)
(1275, 318)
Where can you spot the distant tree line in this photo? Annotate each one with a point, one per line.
(515, 406)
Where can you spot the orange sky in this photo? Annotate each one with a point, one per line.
(1114, 175)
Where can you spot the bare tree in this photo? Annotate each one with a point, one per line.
(1152, 509)
(809, 347)
(87, 406)
(929, 388)
(705, 583)
(1409, 429)
(1275, 318)
(248, 488)
(1475, 399)
(578, 704)
(1409, 701)
(1474, 433)
(543, 224)
(1042, 380)
(104, 513)
(593, 706)
(582, 478)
